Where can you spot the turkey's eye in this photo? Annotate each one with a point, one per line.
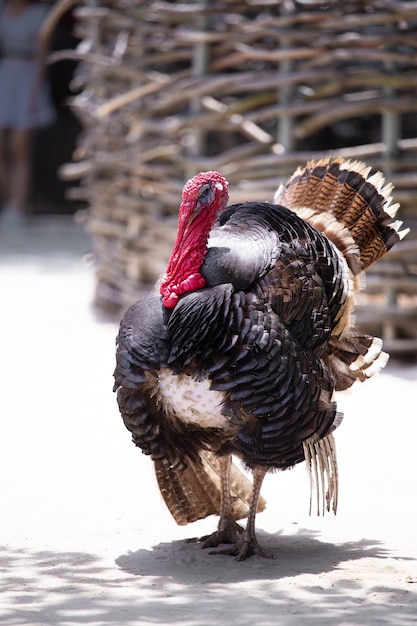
(205, 194)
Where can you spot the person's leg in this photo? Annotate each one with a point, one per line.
(20, 148)
(4, 169)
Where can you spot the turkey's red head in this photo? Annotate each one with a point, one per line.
(203, 197)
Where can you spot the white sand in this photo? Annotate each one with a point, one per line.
(84, 536)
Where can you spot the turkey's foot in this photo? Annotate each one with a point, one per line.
(228, 532)
(243, 548)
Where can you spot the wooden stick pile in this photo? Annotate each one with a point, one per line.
(248, 88)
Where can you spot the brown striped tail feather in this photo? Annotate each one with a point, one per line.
(349, 205)
(193, 492)
(355, 210)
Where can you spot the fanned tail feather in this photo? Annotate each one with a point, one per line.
(321, 461)
(355, 210)
(193, 492)
(354, 358)
(335, 189)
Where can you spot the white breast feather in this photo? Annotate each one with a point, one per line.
(191, 401)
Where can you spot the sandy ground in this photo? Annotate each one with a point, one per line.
(84, 536)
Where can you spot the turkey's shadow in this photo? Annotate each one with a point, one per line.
(186, 562)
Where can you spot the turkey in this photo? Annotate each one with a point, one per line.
(242, 343)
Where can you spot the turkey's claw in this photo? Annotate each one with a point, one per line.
(228, 534)
(243, 548)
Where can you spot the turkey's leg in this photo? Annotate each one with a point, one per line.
(247, 543)
(228, 530)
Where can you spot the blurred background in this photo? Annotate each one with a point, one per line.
(55, 137)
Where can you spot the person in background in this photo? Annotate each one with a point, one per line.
(25, 104)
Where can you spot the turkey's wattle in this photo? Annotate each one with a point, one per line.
(250, 337)
(203, 197)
